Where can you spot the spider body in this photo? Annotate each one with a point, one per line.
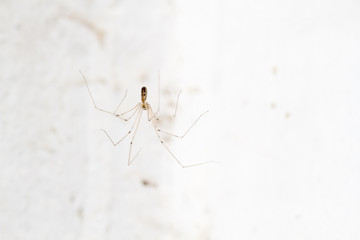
(143, 97)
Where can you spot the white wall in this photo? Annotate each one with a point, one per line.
(281, 81)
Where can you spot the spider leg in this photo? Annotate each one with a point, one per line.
(158, 110)
(186, 132)
(100, 109)
(176, 106)
(127, 134)
(147, 111)
(130, 161)
(120, 103)
(131, 109)
(167, 148)
(177, 100)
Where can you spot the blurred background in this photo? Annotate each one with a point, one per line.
(280, 80)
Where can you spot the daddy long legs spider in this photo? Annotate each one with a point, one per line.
(151, 116)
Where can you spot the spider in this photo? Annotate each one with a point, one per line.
(151, 117)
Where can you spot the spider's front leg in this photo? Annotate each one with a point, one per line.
(100, 109)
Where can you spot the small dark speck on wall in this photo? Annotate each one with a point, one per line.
(147, 183)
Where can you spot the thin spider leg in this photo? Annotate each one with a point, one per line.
(120, 102)
(176, 106)
(133, 159)
(126, 119)
(153, 116)
(177, 100)
(127, 134)
(132, 139)
(192, 125)
(148, 116)
(93, 101)
(167, 148)
(158, 110)
(158, 92)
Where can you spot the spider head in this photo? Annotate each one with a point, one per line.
(143, 94)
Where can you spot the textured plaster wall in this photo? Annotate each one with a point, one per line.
(281, 81)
